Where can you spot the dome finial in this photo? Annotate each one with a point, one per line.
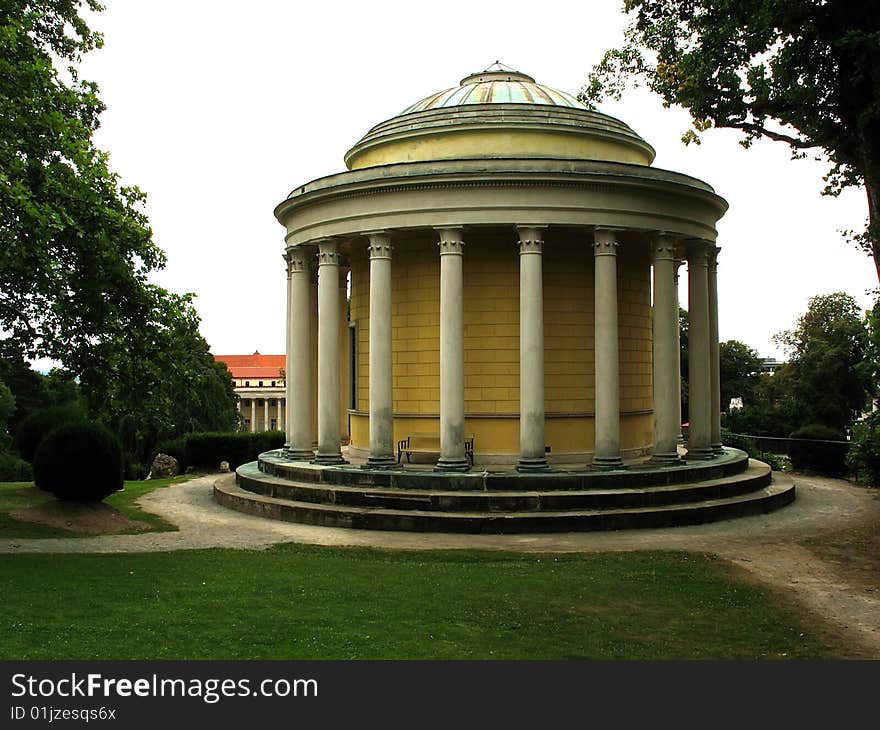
(497, 72)
(499, 67)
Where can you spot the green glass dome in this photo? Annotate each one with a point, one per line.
(498, 84)
(499, 113)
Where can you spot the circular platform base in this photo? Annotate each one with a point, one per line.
(646, 495)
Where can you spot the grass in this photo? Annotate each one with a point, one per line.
(300, 602)
(12, 498)
(124, 501)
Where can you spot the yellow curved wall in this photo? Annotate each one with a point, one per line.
(489, 143)
(491, 339)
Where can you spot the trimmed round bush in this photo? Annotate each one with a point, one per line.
(79, 462)
(35, 427)
(815, 454)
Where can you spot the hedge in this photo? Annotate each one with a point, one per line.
(811, 451)
(14, 469)
(207, 450)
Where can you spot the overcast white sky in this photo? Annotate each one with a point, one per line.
(218, 109)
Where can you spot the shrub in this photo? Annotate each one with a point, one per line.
(759, 420)
(777, 462)
(814, 454)
(35, 427)
(133, 469)
(207, 450)
(14, 469)
(266, 441)
(864, 454)
(80, 462)
(738, 441)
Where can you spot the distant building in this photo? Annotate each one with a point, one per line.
(260, 385)
(770, 365)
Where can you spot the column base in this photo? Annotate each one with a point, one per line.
(328, 459)
(299, 454)
(607, 463)
(666, 460)
(700, 453)
(532, 464)
(380, 462)
(717, 449)
(452, 465)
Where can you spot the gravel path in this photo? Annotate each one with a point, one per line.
(767, 546)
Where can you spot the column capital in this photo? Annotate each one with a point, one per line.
(297, 259)
(605, 242)
(451, 242)
(713, 257)
(379, 246)
(697, 251)
(531, 238)
(328, 252)
(663, 247)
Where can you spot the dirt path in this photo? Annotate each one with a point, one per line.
(822, 550)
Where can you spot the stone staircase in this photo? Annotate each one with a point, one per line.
(503, 502)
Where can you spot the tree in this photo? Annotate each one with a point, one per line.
(7, 407)
(163, 375)
(740, 371)
(75, 246)
(803, 72)
(829, 377)
(76, 249)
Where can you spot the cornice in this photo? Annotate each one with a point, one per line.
(351, 186)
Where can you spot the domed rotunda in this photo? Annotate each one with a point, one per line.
(513, 261)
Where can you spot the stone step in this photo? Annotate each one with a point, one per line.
(730, 462)
(773, 496)
(251, 479)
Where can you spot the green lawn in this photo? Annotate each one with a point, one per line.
(299, 602)
(12, 498)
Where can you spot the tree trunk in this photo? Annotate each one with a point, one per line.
(872, 187)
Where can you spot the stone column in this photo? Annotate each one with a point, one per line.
(280, 415)
(667, 386)
(288, 321)
(266, 414)
(714, 361)
(328, 354)
(452, 454)
(381, 416)
(531, 350)
(607, 451)
(299, 382)
(253, 415)
(343, 354)
(699, 379)
(313, 348)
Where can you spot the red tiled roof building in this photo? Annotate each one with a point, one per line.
(259, 383)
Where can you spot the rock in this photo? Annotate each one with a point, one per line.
(224, 467)
(164, 466)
